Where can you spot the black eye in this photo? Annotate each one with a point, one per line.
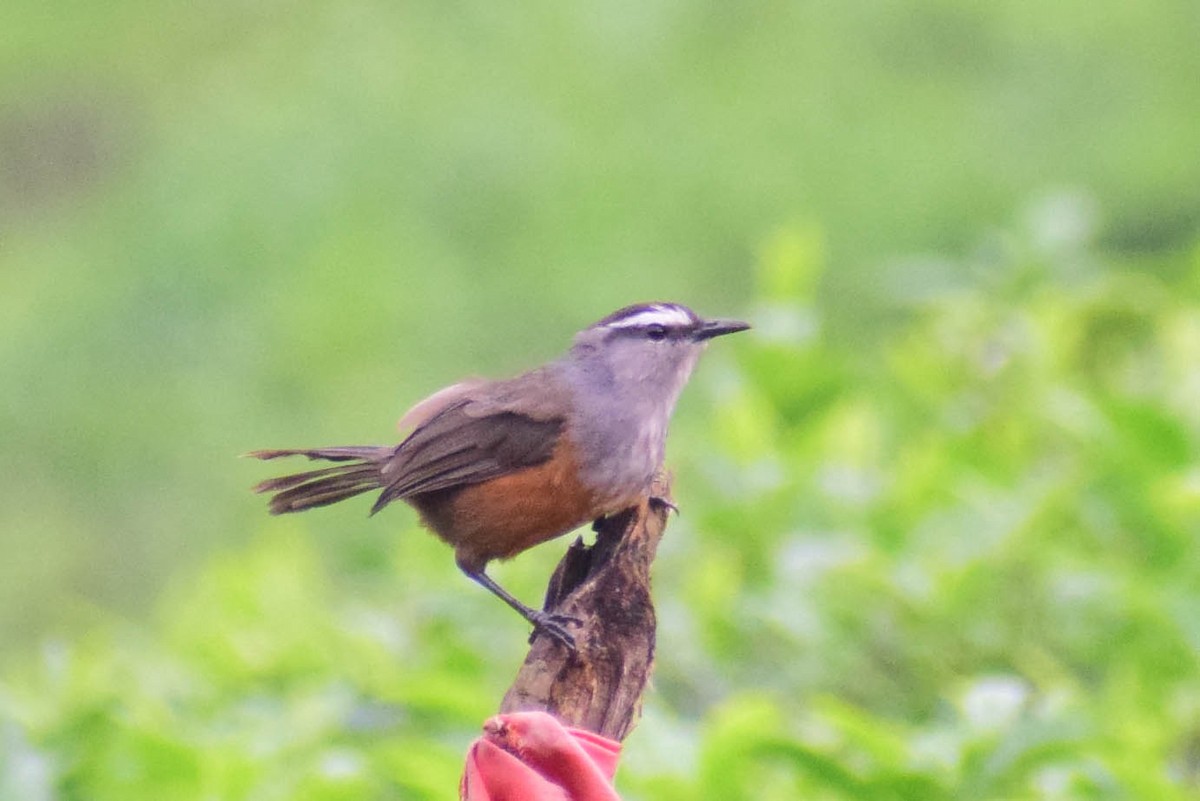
(656, 332)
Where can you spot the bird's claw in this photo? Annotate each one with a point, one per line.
(554, 626)
(659, 502)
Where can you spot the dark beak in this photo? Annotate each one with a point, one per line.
(718, 328)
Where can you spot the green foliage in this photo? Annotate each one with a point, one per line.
(959, 564)
(940, 511)
(257, 684)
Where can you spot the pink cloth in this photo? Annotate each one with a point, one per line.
(530, 756)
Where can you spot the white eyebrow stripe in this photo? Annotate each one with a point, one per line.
(662, 315)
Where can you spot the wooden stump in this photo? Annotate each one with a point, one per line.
(607, 587)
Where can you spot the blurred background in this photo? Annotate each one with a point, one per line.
(940, 508)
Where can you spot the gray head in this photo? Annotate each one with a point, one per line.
(648, 349)
(626, 372)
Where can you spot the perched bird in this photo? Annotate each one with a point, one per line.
(496, 467)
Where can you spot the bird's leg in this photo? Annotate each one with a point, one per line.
(555, 626)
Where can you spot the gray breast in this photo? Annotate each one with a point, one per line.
(620, 446)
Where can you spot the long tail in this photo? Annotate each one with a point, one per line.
(301, 491)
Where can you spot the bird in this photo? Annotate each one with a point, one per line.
(495, 467)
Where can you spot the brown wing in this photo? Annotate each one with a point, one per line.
(423, 410)
(484, 431)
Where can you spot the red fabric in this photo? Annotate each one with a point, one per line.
(530, 756)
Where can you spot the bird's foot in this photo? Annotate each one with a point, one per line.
(553, 626)
(657, 502)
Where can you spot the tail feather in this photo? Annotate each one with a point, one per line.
(308, 490)
(287, 482)
(340, 454)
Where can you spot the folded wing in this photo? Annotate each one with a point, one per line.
(480, 433)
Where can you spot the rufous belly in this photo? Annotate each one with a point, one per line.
(500, 518)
